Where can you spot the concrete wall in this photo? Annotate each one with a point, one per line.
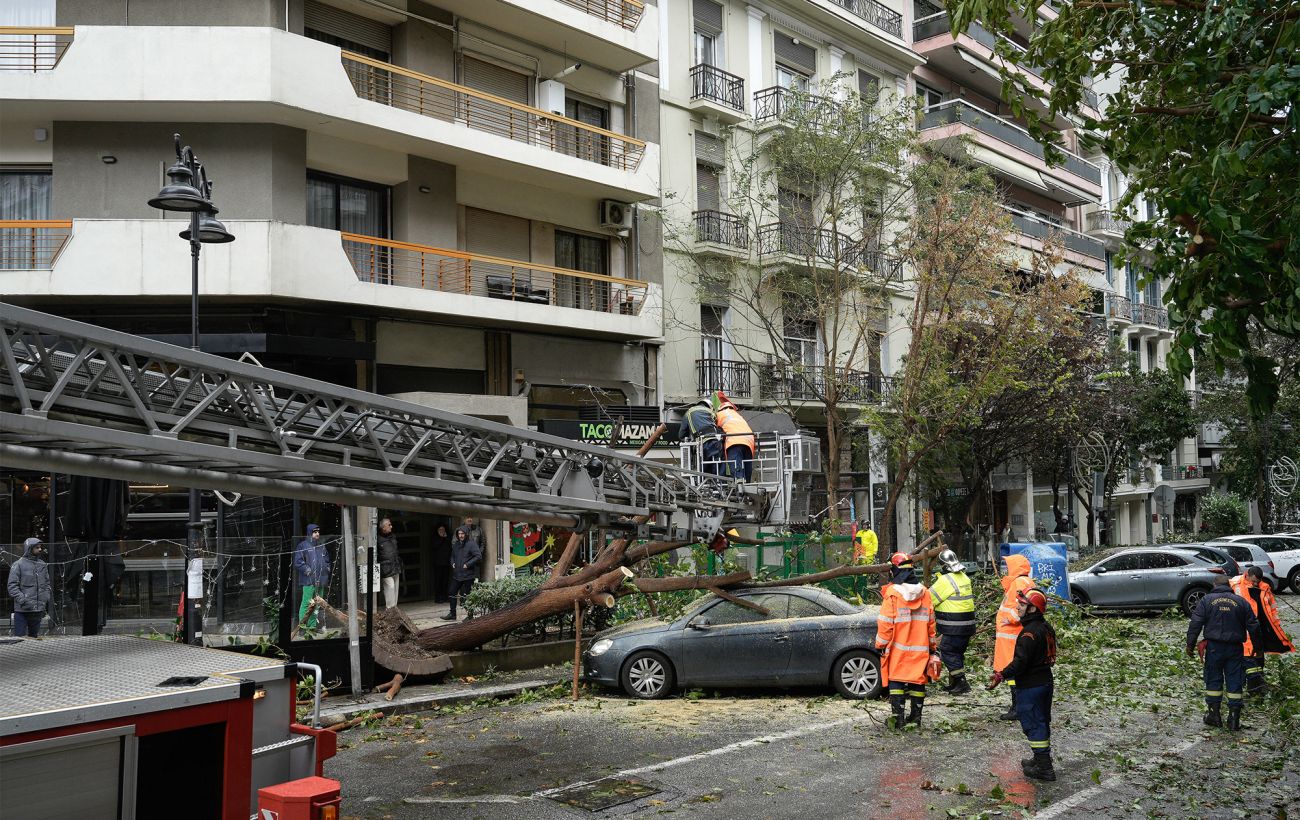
(171, 13)
(426, 218)
(257, 170)
(425, 48)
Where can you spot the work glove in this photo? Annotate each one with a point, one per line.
(994, 681)
(934, 668)
(1200, 649)
(1191, 650)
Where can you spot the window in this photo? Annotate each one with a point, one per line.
(796, 62)
(728, 613)
(581, 142)
(708, 32)
(804, 608)
(791, 79)
(353, 206)
(708, 172)
(868, 87)
(25, 195)
(499, 81)
(801, 343)
(928, 96)
(1122, 563)
(589, 254)
(712, 332)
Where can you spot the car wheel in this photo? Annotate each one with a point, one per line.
(1078, 597)
(647, 675)
(1293, 581)
(856, 674)
(1191, 597)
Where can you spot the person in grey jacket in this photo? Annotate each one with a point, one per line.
(29, 586)
(466, 555)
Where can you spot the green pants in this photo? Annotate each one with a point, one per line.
(308, 592)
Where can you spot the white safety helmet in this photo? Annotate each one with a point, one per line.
(948, 559)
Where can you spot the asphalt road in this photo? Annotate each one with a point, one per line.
(1127, 745)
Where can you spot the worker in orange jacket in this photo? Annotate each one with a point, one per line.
(1272, 640)
(905, 638)
(737, 436)
(1008, 621)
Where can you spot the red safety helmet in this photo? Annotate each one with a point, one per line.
(1035, 598)
(898, 559)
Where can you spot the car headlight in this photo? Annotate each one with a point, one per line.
(600, 647)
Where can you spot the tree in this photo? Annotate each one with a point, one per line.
(1224, 514)
(979, 325)
(1206, 123)
(802, 251)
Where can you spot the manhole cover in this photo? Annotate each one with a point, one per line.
(605, 794)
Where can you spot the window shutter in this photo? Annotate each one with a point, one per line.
(348, 26)
(498, 80)
(708, 16)
(707, 190)
(708, 149)
(495, 234)
(868, 84)
(796, 55)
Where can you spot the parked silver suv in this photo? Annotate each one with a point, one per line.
(1145, 578)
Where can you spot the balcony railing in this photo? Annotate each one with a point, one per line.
(1106, 221)
(626, 13)
(721, 229)
(32, 244)
(33, 48)
(1031, 225)
(431, 97)
(777, 103)
(823, 244)
(387, 262)
(878, 15)
(732, 378)
(957, 111)
(1188, 472)
(715, 85)
(1119, 307)
(791, 382)
(1151, 316)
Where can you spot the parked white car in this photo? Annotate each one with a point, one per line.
(1284, 550)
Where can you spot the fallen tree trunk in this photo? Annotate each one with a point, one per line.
(651, 585)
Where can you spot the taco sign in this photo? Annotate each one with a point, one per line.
(599, 432)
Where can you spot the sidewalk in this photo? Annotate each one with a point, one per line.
(425, 697)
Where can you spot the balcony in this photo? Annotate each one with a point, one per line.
(1030, 225)
(1011, 153)
(402, 264)
(32, 244)
(1119, 309)
(717, 228)
(427, 96)
(1151, 316)
(126, 260)
(875, 14)
(783, 381)
(718, 93)
(732, 378)
(30, 49)
(772, 105)
(812, 245)
(1106, 223)
(1188, 472)
(624, 13)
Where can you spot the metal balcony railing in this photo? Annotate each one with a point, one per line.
(877, 14)
(1119, 307)
(1106, 221)
(783, 381)
(777, 103)
(721, 229)
(1151, 316)
(1188, 472)
(32, 244)
(625, 13)
(1032, 225)
(958, 111)
(715, 85)
(822, 244)
(428, 96)
(39, 48)
(387, 262)
(732, 378)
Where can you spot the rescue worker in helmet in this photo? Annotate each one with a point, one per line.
(954, 613)
(1031, 668)
(739, 437)
(905, 639)
(1016, 581)
(698, 422)
(1272, 639)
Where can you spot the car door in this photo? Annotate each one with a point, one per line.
(1118, 583)
(811, 646)
(1163, 576)
(731, 645)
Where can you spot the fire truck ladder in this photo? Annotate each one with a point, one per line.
(82, 399)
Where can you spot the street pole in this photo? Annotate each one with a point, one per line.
(350, 584)
(193, 618)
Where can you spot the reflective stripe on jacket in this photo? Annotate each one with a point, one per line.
(1267, 603)
(954, 604)
(1008, 622)
(905, 633)
(734, 427)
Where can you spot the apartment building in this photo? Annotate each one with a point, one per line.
(431, 200)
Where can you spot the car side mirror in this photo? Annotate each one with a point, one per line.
(1099, 571)
(699, 623)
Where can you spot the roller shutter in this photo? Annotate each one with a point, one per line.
(795, 55)
(348, 28)
(708, 16)
(494, 234)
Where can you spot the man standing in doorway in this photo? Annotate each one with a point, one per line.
(475, 533)
(29, 586)
(312, 563)
(465, 559)
(390, 563)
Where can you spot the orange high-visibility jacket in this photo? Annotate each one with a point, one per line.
(1008, 622)
(905, 633)
(734, 427)
(1269, 604)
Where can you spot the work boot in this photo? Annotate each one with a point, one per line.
(1010, 713)
(1256, 685)
(915, 715)
(898, 704)
(1213, 717)
(1234, 718)
(958, 685)
(1039, 767)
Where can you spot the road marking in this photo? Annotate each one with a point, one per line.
(1079, 798)
(721, 750)
(472, 798)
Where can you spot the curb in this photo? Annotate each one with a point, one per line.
(426, 701)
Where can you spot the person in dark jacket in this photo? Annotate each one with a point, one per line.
(29, 586)
(390, 563)
(466, 555)
(698, 422)
(1031, 669)
(1226, 619)
(311, 562)
(441, 564)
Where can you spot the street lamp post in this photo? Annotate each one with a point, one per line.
(190, 191)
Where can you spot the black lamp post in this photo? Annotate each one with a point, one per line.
(189, 191)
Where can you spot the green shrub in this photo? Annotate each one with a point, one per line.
(1224, 514)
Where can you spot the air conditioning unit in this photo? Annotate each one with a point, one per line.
(615, 215)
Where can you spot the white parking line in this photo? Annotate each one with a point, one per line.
(1079, 798)
(721, 750)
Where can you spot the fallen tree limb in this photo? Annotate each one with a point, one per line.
(348, 724)
(738, 601)
(651, 585)
(848, 570)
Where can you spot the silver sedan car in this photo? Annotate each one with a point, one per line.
(1145, 578)
(788, 636)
